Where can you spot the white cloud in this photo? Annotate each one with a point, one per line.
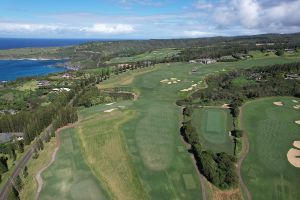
(5, 26)
(196, 33)
(110, 28)
(248, 12)
(59, 28)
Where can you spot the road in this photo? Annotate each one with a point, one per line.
(23, 162)
(20, 166)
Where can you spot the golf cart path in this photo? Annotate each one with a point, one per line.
(38, 176)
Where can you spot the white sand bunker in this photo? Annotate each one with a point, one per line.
(278, 103)
(297, 122)
(226, 105)
(293, 155)
(110, 110)
(189, 89)
(297, 144)
(109, 104)
(170, 81)
(296, 106)
(295, 101)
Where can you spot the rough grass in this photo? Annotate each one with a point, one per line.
(106, 154)
(29, 85)
(34, 166)
(158, 54)
(272, 131)
(213, 126)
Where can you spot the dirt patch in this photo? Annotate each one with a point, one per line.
(293, 157)
(232, 194)
(297, 122)
(278, 103)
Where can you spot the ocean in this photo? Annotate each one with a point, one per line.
(12, 43)
(12, 69)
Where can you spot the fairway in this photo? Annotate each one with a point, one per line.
(271, 131)
(69, 174)
(213, 126)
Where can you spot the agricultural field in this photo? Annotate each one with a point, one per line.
(213, 126)
(66, 177)
(158, 54)
(272, 131)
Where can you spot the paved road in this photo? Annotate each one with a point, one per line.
(20, 166)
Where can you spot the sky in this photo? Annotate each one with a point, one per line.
(146, 19)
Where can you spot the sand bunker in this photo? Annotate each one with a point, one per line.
(293, 157)
(164, 81)
(170, 81)
(226, 105)
(278, 103)
(297, 144)
(110, 110)
(296, 106)
(297, 122)
(295, 101)
(189, 89)
(109, 104)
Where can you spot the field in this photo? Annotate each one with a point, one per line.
(213, 126)
(69, 174)
(158, 54)
(271, 130)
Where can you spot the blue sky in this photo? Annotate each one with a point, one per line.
(143, 19)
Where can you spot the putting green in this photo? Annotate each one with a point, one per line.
(271, 131)
(69, 177)
(213, 126)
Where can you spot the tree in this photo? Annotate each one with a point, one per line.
(18, 183)
(25, 172)
(20, 146)
(40, 144)
(3, 164)
(13, 193)
(237, 133)
(279, 52)
(35, 154)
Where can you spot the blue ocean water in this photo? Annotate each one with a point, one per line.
(13, 69)
(12, 43)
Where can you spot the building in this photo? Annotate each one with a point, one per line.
(204, 61)
(6, 137)
(291, 76)
(43, 83)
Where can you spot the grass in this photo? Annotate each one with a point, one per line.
(34, 166)
(213, 126)
(69, 177)
(29, 85)
(137, 151)
(158, 54)
(106, 153)
(271, 131)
